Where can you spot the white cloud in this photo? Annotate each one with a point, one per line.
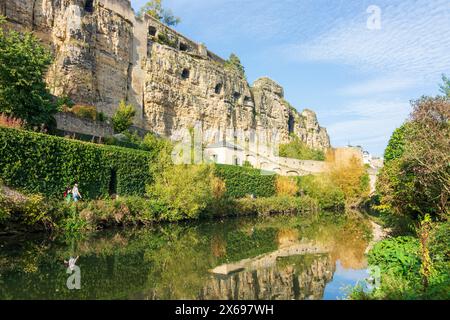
(368, 123)
(414, 40)
(377, 86)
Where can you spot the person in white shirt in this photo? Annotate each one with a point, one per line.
(76, 193)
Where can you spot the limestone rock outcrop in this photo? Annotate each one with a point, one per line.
(103, 54)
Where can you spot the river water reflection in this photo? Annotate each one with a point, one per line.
(252, 258)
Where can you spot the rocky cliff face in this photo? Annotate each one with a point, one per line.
(104, 54)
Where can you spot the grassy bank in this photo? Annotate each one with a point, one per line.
(27, 213)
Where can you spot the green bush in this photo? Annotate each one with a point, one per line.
(123, 118)
(39, 163)
(241, 181)
(398, 256)
(186, 191)
(324, 190)
(399, 260)
(86, 112)
(297, 149)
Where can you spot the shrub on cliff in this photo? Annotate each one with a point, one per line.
(87, 112)
(10, 122)
(156, 9)
(23, 64)
(123, 118)
(234, 63)
(297, 149)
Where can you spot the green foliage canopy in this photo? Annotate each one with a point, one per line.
(396, 145)
(155, 8)
(23, 64)
(415, 180)
(123, 118)
(445, 86)
(297, 149)
(234, 63)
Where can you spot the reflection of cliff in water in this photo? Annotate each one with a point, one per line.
(297, 277)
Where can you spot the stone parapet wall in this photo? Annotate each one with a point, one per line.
(70, 123)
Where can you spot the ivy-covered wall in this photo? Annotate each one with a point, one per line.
(40, 163)
(241, 181)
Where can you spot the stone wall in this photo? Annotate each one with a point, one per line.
(103, 54)
(73, 124)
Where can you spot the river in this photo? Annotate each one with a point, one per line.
(244, 258)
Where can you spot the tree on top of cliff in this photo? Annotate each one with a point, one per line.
(155, 9)
(235, 63)
(23, 92)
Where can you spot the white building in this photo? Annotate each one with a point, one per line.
(263, 159)
(367, 157)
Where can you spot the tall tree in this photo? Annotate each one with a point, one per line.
(235, 63)
(416, 179)
(23, 92)
(156, 9)
(445, 86)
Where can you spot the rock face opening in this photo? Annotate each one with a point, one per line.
(183, 47)
(89, 6)
(291, 123)
(218, 88)
(152, 31)
(236, 96)
(185, 74)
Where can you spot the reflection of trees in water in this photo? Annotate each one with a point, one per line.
(173, 261)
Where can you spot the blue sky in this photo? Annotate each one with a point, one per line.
(358, 80)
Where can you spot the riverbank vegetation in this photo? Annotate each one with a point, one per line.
(412, 199)
(152, 189)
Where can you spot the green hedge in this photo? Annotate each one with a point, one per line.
(241, 181)
(40, 163)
